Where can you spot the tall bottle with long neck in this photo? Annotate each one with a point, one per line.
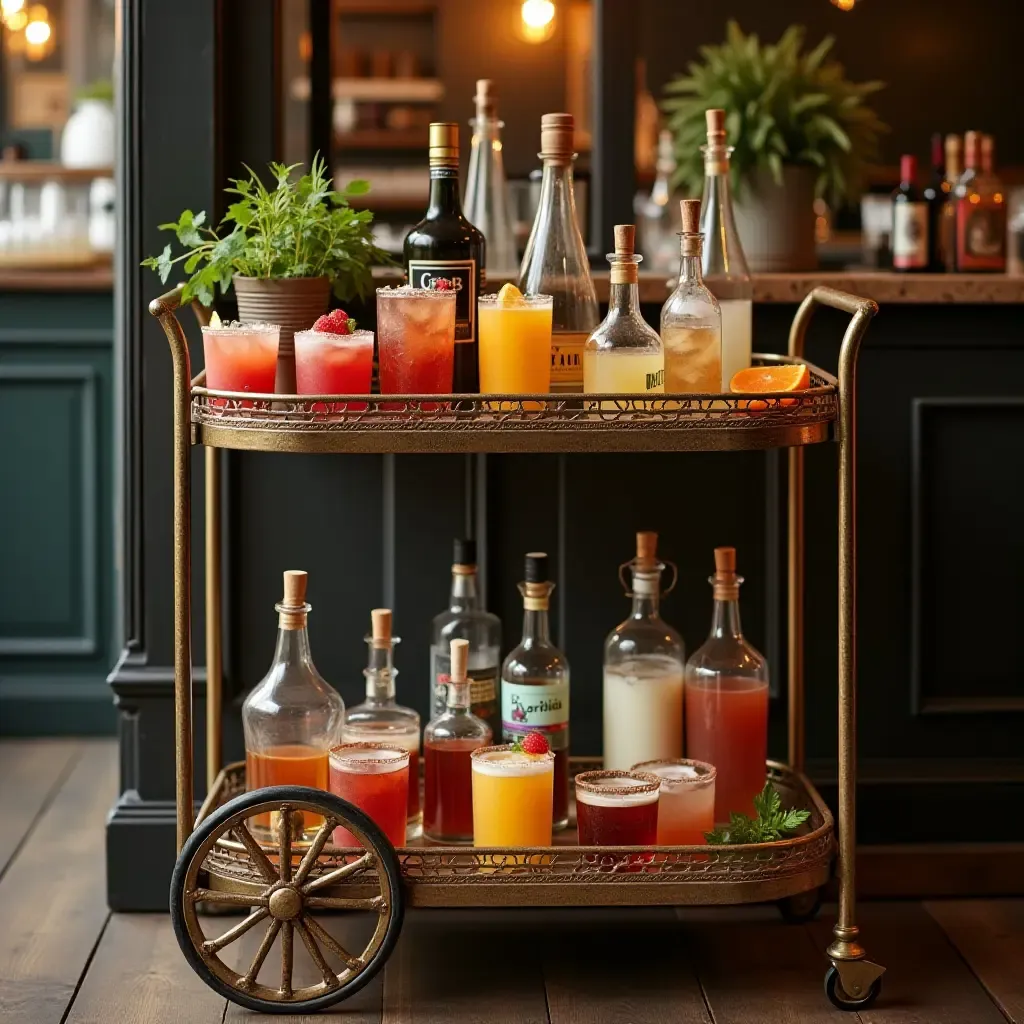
(293, 716)
(658, 212)
(446, 246)
(466, 619)
(723, 263)
(726, 692)
(535, 683)
(555, 262)
(487, 204)
(947, 231)
(643, 672)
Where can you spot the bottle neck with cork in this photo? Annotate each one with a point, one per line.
(647, 571)
(691, 245)
(380, 672)
(725, 617)
(624, 292)
(723, 257)
(536, 590)
(292, 611)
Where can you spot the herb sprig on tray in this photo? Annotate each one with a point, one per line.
(770, 823)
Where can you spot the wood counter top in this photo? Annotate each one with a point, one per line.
(87, 279)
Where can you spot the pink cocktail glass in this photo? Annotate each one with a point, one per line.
(374, 777)
(334, 364)
(241, 357)
(415, 340)
(686, 807)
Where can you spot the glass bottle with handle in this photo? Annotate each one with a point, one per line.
(643, 671)
(293, 716)
(487, 204)
(555, 262)
(723, 262)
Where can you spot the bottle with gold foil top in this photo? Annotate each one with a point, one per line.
(555, 262)
(293, 717)
(446, 247)
(624, 355)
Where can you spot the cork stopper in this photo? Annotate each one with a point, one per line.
(443, 142)
(293, 608)
(625, 239)
(715, 120)
(486, 98)
(725, 581)
(646, 550)
(380, 619)
(692, 239)
(556, 138)
(624, 262)
(460, 661)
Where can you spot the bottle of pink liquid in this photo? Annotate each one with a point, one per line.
(726, 693)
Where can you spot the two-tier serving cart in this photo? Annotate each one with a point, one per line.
(284, 886)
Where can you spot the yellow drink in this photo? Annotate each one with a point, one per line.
(515, 345)
(623, 372)
(512, 796)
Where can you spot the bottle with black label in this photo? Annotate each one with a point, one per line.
(909, 220)
(465, 619)
(444, 246)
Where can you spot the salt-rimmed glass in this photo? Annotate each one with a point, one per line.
(512, 795)
(515, 344)
(617, 808)
(374, 777)
(687, 806)
(334, 364)
(415, 340)
(241, 356)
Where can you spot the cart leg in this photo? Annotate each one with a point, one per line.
(795, 592)
(214, 661)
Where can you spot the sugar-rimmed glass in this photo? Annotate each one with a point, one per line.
(617, 808)
(241, 356)
(515, 344)
(512, 795)
(374, 777)
(415, 340)
(334, 364)
(686, 809)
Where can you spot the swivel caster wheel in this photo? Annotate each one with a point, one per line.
(839, 998)
(283, 886)
(802, 907)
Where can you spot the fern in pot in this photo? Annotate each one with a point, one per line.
(801, 129)
(283, 248)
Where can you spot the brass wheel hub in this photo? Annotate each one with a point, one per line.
(285, 904)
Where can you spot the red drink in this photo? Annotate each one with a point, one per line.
(375, 778)
(413, 811)
(416, 341)
(241, 357)
(292, 764)
(727, 726)
(448, 786)
(334, 364)
(616, 808)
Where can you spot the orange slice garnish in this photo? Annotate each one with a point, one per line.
(781, 377)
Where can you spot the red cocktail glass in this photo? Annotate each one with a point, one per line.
(374, 777)
(241, 357)
(334, 364)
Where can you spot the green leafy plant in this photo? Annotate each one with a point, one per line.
(299, 228)
(770, 823)
(783, 106)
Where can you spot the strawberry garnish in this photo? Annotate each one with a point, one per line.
(532, 743)
(441, 284)
(335, 322)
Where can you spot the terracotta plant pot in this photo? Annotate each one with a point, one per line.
(294, 303)
(776, 222)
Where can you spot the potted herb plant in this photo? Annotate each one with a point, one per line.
(283, 249)
(800, 130)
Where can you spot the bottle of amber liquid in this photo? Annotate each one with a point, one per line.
(293, 717)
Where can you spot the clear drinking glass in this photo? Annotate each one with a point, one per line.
(617, 808)
(511, 797)
(374, 777)
(415, 340)
(515, 345)
(686, 808)
(241, 356)
(333, 364)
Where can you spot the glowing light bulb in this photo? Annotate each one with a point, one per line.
(844, 5)
(538, 20)
(9, 7)
(37, 33)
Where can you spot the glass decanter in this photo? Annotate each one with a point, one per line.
(379, 719)
(535, 683)
(643, 671)
(624, 355)
(726, 691)
(293, 717)
(657, 231)
(448, 744)
(691, 319)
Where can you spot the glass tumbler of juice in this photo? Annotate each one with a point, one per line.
(617, 808)
(241, 356)
(374, 777)
(511, 797)
(334, 364)
(686, 808)
(415, 340)
(515, 343)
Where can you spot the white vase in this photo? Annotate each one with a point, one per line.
(88, 139)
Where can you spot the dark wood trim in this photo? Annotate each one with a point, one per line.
(97, 278)
(320, 102)
(919, 871)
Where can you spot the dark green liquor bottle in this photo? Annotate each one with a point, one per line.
(445, 246)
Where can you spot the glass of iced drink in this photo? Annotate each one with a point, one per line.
(374, 777)
(415, 340)
(241, 356)
(515, 343)
(686, 809)
(334, 364)
(512, 797)
(617, 808)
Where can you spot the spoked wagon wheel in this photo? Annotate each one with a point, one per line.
(281, 885)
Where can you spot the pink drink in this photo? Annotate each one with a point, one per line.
(686, 806)
(241, 357)
(334, 364)
(375, 778)
(416, 340)
(727, 726)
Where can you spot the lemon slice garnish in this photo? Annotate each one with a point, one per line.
(509, 294)
(215, 320)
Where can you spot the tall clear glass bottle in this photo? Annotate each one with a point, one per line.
(465, 619)
(487, 204)
(535, 683)
(293, 716)
(624, 355)
(379, 719)
(448, 744)
(555, 262)
(691, 319)
(643, 671)
(723, 263)
(726, 689)
(657, 212)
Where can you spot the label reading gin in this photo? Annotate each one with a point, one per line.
(536, 708)
(461, 277)
(567, 360)
(910, 236)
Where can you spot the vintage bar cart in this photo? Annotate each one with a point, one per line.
(222, 867)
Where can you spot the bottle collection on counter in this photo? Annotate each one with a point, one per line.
(685, 740)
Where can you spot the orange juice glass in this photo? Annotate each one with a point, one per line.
(515, 344)
(512, 797)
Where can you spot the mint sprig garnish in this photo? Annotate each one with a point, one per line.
(769, 825)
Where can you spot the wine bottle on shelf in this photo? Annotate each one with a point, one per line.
(935, 195)
(947, 231)
(446, 246)
(980, 209)
(909, 220)
(487, 202)
(723, 263)
(555, 262)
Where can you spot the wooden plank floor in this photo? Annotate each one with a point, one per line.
(65, 958)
